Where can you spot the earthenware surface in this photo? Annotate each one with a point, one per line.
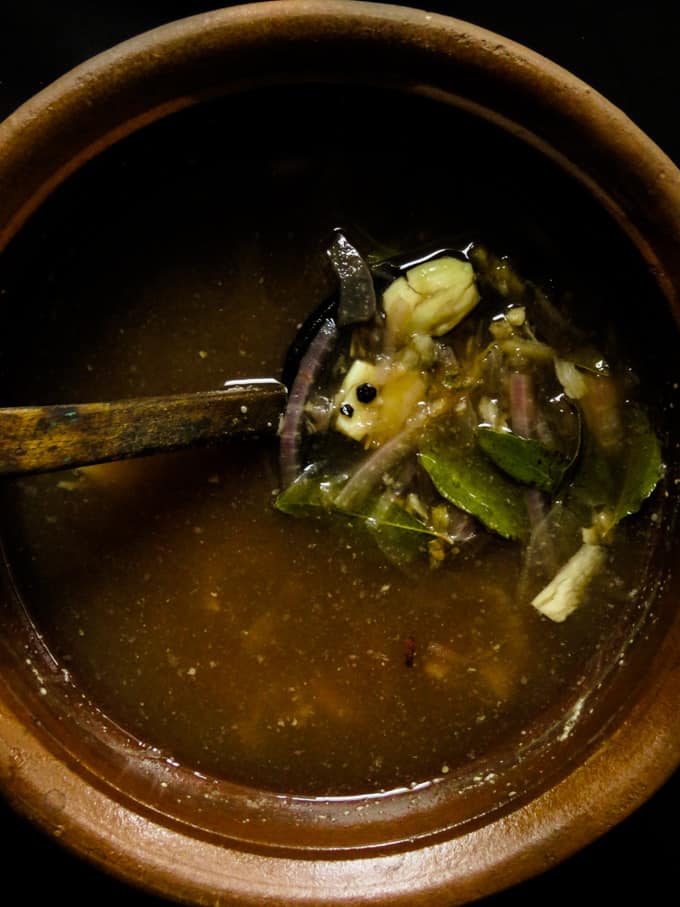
(629, 57)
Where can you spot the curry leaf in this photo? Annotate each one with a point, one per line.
(643, 464)
(468, 479)
(523, 459)
(593, 485)
(394, 516)
(308, 493)
(617, 485)
(399, 534)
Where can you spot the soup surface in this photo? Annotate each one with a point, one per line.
(262, 649)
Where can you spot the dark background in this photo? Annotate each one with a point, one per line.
(630, 54)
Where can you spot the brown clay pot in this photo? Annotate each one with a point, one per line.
(201, 840)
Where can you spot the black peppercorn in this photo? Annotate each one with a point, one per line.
(347, 410)
(366, 393)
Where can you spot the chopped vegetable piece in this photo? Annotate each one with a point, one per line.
(396, 393)
(570, 378)
(565, 591)
(432, 299)
(603, 411)
(359, 420)
(383, 462)
(292, 425)
(357, 292)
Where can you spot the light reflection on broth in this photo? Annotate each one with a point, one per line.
(265, 650)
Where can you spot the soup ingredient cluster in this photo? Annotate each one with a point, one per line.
(448, 417)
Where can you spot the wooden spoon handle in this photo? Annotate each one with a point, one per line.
(44, 438)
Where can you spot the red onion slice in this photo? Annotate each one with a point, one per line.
(293, 419)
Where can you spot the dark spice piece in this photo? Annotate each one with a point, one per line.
(347, 410)
(366, 393)
(409, 651)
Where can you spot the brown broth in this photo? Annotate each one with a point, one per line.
(261, 649)
(271, 651)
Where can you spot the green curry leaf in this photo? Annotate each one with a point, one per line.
(617, 485)
(399, 534)
(523, 459)
(643, 464)
(468, 479)
(310, 492)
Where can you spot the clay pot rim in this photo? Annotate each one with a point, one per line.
(55, 133)
(44, 119)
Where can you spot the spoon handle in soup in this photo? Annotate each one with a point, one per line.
(44, 438)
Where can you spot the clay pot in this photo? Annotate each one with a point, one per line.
(204, 840)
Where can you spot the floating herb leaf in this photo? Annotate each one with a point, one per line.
(397, 532)
(643, 464)
(468, 479)
(618, 486)
(524, 459)
(310, 492)
(593, 485)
